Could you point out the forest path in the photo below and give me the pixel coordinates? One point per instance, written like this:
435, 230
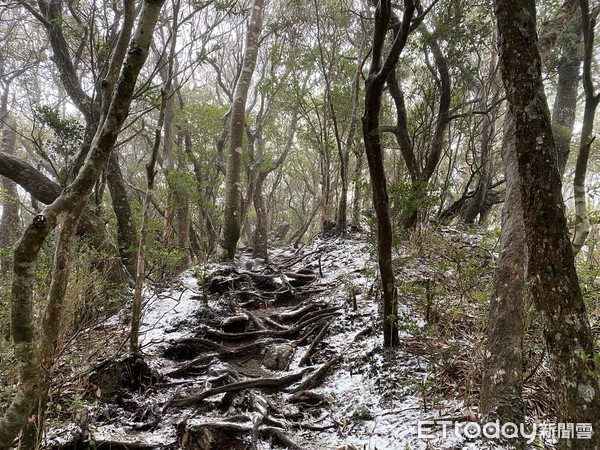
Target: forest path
260, 356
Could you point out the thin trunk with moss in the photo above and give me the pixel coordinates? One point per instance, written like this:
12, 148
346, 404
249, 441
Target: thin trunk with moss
230, 233
582, 221
9, 224
565, 103
32, 375
378, 74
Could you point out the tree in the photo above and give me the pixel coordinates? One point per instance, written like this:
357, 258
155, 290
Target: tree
9, 224
582, 222
421, 163
565, 103
501, 395
551, 269
330, 61
68, 207
230, 233
92, 107
260, 237
379, 72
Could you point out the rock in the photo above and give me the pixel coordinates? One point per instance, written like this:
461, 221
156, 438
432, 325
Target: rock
277, 356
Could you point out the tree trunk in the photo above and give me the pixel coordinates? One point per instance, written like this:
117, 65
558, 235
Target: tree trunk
325, 165
357, 197
32, 433
401, 129
169, 168
140, 275
443, 116
127, 238
374, 85
184, 222
509, 282
230, 233
565, 104
33, 382
9, 224
554, 283
582, 221
502, 385
260, 237
420, 177
349, 143
262, 221
475, 206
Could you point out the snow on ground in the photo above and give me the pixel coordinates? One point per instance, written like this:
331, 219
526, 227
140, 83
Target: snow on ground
374, 397
165, 313
374, 391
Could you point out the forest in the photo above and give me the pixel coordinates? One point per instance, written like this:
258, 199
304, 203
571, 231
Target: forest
299, 224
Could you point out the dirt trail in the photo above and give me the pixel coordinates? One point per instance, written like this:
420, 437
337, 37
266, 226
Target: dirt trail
278, 355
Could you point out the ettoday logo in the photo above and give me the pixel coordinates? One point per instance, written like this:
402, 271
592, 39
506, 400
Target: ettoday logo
508, 430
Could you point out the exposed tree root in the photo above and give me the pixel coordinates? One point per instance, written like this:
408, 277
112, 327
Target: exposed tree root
263, 337
234, 387
316, 376
313, 346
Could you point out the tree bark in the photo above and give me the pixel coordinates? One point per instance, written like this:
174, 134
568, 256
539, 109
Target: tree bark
565, 104
582, 221
374, 85
33, 382
554, 283
169, 167
127, 237
509, 283
230, 233
9, 224
358, 184
140, 275
261, 231
502, 384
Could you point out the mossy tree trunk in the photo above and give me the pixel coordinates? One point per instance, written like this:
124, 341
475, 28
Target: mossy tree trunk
379, 71
34, 379
9, 224
565, 103
127, 237
502, 384
501, 396
230, 233
582, 221
554, 284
